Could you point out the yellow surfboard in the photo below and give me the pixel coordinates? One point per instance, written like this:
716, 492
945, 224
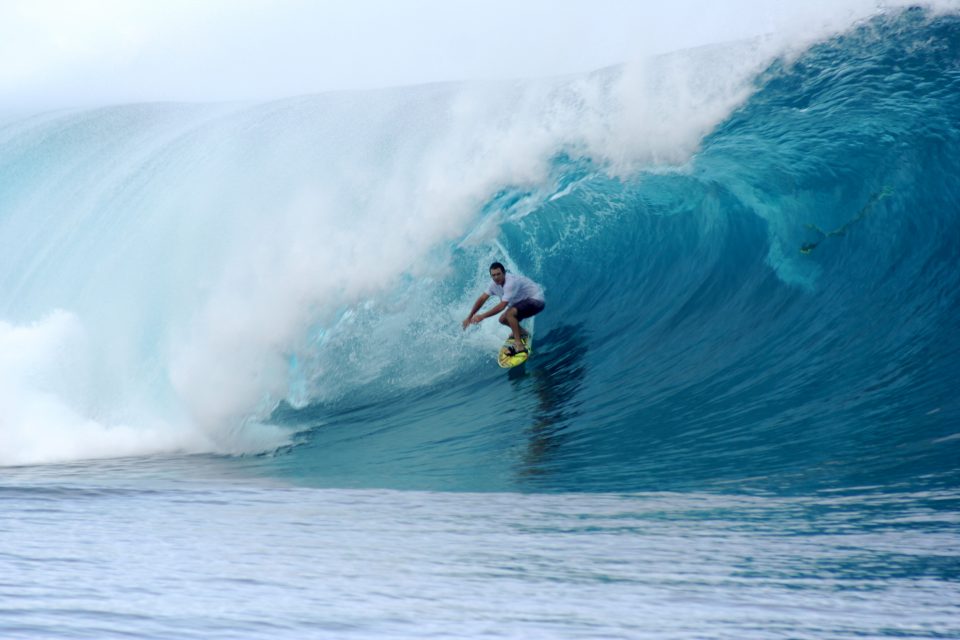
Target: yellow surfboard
507, 359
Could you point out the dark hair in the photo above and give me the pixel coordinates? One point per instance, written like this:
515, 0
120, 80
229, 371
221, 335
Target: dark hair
497, 265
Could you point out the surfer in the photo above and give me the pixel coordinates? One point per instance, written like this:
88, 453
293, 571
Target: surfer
521, 297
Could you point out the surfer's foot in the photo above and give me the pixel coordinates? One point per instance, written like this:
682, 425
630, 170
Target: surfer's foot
514, 351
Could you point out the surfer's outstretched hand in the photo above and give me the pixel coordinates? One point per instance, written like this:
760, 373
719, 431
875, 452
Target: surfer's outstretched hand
471, 320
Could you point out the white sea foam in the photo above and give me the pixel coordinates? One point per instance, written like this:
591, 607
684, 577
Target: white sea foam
49, 409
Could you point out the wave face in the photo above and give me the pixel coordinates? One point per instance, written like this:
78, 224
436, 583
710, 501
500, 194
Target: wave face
750, 284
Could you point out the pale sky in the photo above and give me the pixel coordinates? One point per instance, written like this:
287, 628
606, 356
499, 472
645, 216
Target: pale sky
57, 53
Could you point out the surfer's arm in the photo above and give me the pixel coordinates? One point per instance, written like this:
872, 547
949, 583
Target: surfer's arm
494, 311
476, 307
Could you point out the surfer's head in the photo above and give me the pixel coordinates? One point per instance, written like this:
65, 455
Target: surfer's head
498, 273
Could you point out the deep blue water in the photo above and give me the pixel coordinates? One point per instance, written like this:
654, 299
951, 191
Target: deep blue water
237, 400
689, 342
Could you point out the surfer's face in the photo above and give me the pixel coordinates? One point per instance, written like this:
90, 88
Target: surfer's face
497, 275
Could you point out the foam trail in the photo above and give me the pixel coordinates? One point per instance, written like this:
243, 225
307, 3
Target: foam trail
47, 414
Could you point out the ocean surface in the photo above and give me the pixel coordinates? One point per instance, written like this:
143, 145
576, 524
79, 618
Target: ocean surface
236, 400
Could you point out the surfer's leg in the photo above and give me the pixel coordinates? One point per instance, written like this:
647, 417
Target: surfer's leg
527, 309
509, 318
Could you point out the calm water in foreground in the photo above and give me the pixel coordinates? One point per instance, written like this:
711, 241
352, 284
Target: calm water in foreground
150, 554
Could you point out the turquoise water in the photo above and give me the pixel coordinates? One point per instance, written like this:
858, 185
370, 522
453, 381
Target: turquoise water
238, 401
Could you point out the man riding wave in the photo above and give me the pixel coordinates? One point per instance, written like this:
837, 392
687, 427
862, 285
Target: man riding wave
521, 297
